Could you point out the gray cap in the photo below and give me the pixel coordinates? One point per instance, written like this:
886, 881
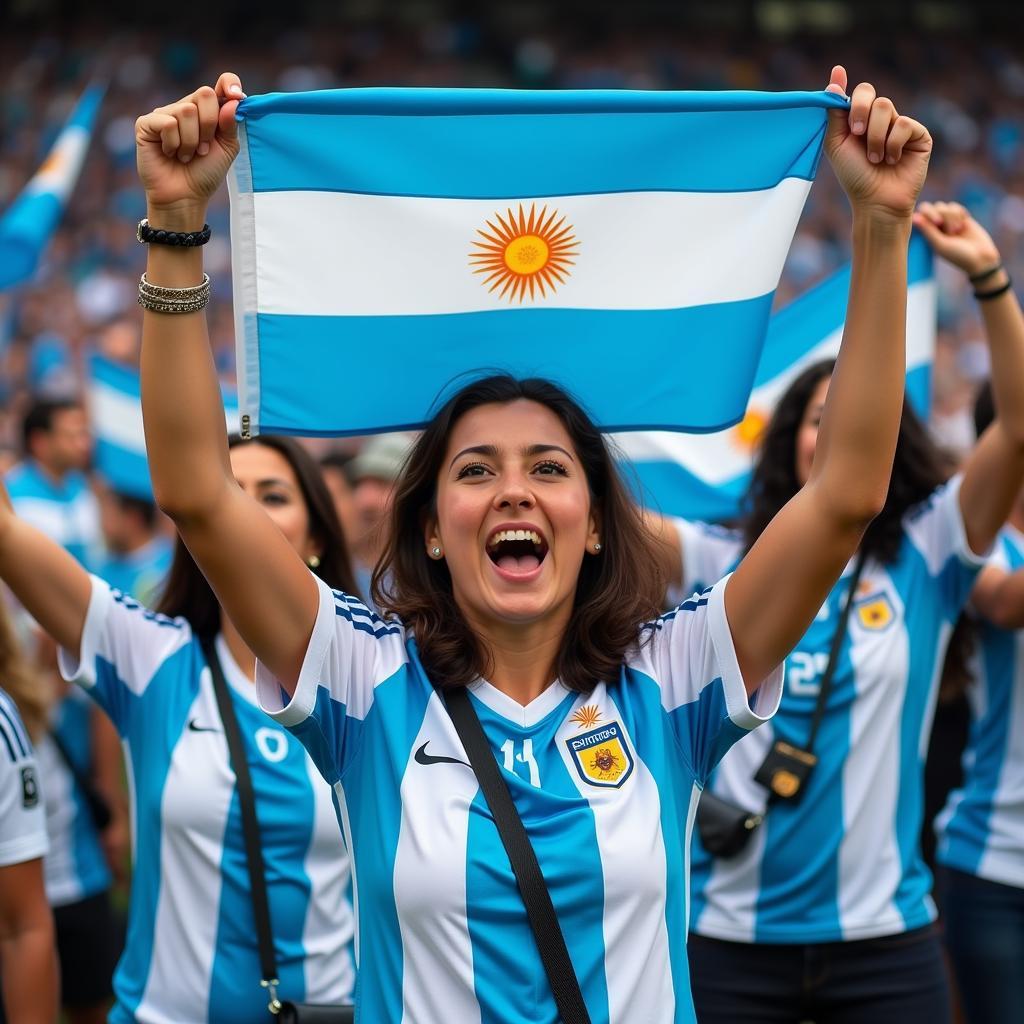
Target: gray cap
381, 458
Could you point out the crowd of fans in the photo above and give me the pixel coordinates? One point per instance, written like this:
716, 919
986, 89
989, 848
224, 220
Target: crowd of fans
83, 297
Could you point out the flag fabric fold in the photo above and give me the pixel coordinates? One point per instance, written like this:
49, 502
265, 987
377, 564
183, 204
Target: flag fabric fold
706, 477
28, 224
115, 410
390, 244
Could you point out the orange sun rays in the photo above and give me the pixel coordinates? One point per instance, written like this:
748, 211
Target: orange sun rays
524, 254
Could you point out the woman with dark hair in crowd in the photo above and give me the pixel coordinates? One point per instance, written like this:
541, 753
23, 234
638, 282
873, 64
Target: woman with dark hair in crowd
981, 831
523, 573
826, 912
192, 947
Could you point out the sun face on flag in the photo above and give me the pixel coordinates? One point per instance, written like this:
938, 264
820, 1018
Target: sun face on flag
525, 253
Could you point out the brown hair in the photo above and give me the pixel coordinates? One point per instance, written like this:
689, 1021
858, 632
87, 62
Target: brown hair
186, 592
25, 685
616, 592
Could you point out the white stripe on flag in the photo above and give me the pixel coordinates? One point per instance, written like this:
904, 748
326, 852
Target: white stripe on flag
59, 170
394, 255
117, 417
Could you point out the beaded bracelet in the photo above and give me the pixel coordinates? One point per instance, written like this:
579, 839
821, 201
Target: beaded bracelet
147, 234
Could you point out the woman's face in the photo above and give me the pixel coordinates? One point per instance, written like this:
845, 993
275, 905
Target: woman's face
807, 433
514, 518
268, 478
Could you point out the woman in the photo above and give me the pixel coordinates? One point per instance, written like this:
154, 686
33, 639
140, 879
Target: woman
191, 952
519, 568
833, 888
981, 831
29, 975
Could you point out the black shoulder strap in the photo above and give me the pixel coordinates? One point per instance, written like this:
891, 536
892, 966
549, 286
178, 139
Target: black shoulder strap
250, 824
539, 908
833, 655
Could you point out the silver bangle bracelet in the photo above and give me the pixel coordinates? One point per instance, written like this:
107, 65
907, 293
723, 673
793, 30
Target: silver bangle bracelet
161, 299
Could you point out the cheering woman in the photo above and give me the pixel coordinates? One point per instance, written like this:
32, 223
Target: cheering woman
192, 949
517, 567
832, 887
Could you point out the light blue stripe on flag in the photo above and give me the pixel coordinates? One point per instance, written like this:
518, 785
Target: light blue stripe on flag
115, 409
625, 244
30, 221
707, 477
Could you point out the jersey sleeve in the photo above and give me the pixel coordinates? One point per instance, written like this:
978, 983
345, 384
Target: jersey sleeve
123, 646
708, 553
350, 651
936, 530
692, 659
22, 817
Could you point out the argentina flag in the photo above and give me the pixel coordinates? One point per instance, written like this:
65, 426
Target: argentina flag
388, 242
115, 412
705, 477
30, 221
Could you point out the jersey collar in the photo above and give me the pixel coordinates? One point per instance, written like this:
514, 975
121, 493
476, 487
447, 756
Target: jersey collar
524, 716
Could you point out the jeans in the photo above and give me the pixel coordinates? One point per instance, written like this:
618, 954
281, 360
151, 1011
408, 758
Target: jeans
896, 979
984, 925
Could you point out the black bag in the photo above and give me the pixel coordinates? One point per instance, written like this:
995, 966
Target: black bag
725, 828
540, 911
292, 1013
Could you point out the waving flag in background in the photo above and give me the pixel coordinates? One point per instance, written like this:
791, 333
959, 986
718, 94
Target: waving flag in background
388, 242
28, 224
706, 477
115, 408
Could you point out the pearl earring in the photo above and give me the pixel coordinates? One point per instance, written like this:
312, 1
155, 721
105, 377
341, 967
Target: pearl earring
597, 547
435, 552
313, 561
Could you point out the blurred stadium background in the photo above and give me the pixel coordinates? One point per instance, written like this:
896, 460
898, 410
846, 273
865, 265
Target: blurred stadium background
959, 67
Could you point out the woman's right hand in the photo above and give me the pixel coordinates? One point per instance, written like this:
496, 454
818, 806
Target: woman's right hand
184, 150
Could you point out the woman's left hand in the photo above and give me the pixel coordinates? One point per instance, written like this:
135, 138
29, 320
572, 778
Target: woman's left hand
880, 156
957, 237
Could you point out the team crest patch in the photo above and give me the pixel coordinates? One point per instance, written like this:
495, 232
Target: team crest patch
602, 756
875, 612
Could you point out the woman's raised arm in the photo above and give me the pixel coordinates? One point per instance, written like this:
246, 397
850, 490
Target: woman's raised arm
994, 470
184, 151
881, 159
51, 584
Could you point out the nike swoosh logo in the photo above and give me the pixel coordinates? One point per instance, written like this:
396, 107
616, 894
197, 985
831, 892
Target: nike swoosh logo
422, 757
192, 727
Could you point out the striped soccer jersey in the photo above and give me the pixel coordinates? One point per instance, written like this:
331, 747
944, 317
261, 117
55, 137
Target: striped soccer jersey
843, 862
22, 819
606, 784
191, 951
76, 867
982, 829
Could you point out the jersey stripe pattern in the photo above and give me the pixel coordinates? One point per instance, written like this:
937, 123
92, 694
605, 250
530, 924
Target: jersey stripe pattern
981, 831
843, 862
22, 818
606, 784
75, 867
191, 952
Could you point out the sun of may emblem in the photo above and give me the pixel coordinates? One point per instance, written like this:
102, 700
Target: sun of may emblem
525, 253
587, 716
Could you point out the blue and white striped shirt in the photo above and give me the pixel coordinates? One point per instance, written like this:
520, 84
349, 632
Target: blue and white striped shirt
606, 784
982, 828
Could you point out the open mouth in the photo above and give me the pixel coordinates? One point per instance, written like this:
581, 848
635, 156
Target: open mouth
517, 551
